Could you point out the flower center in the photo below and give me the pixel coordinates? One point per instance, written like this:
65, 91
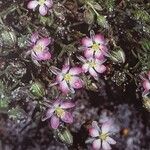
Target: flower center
41, 2
103, 136
95, 47
67, 77
59, 111
38, 48
92, 64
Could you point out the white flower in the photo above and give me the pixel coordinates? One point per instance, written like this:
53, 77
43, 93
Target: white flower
100, 138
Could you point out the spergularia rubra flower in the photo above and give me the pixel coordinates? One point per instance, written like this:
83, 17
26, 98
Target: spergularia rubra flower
68, 78
95, 46
44, 5
93, 65
57, 112
100, 137
39, 50
146, 84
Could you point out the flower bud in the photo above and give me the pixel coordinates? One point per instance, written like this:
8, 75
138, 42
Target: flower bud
64, 135
118, 55
37, 89
8, 38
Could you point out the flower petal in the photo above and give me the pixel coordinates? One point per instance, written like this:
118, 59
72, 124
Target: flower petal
99, 39
76, 82
85, 67
105, 145
110, 140
44, 42
32, 4
87, 42
59, 77
93, 132
67, 117
66, 105
49, 3
49, 113
93, 73
43, 10
75, 71
95, 125
99, 54
54, 122
64, 87
106, 127
34, 37
146, 85
65, 69
88, 53
100, 68
96, 144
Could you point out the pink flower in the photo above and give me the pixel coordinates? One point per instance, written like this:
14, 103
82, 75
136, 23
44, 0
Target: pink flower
44, 5
146, 84
39, 50
58, 111
95, 46
68, 78
100, 138
93, 65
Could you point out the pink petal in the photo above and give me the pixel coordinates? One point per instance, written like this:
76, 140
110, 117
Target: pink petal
110, 140
100, 68
93, 132
67, 105
64, 87
75, 71
87, 42
57, 103
93, 72
106, 146
88, 53
59, 77
96, 144
32, 4
34, 37
49, 3
99, 39
44, 42
99, 54
76, 82
104, 49
65, 69
146, 85
149, 75
67, 117
85, 67
45, 56
54, 122
43, 10
49, 113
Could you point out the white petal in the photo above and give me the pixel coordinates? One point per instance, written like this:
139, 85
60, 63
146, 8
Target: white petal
96, 144
106, 146
110, 140
93, 132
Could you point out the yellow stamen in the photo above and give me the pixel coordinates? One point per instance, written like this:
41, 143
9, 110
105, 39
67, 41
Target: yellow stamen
38, 48
95, 47
92, 64
67, 77
41, 2
59, 112
103, 136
